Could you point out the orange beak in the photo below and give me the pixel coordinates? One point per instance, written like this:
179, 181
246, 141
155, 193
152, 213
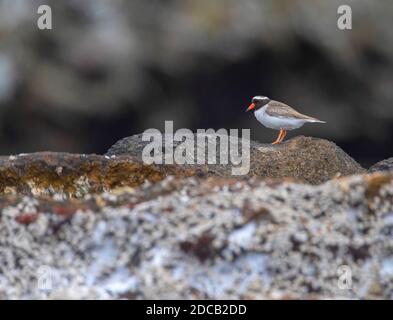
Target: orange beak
251, 106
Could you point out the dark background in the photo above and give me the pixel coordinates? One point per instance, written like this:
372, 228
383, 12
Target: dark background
110, 69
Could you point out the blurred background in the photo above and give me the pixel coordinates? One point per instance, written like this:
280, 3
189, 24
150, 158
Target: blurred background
112, 68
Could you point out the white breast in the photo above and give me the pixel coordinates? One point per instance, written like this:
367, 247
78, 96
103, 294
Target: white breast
277, 123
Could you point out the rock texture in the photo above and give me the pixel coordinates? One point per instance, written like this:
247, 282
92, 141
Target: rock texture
198, 238
78, 174
384, 165
302, 158
90, 226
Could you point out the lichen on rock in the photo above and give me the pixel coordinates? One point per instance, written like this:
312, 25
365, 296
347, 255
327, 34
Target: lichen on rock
305, 159
384, 165
97, 227
77, 174
202, 238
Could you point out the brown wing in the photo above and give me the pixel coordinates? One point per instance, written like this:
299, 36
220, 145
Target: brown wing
282, 110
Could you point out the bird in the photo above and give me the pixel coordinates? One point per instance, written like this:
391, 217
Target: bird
278, 116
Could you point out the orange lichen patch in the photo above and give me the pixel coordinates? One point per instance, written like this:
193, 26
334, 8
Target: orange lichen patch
119, 174
220, 182
375, 182
100, 201
27, 218
78, 174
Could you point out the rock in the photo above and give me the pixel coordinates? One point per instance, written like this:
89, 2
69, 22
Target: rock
384, 165
201, 238
79, 174
302, 158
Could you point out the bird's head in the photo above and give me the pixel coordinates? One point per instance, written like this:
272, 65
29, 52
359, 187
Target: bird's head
258, 102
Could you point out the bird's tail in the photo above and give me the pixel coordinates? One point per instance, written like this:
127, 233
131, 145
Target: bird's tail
313, 120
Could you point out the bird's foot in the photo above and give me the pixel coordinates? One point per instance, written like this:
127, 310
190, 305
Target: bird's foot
280, 137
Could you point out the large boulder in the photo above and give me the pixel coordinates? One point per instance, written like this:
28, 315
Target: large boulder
212, 238
384, 165
305, 159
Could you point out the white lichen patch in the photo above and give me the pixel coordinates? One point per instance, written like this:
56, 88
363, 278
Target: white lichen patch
227, 242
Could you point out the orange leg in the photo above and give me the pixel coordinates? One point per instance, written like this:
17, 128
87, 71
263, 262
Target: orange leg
279, 137
284, 134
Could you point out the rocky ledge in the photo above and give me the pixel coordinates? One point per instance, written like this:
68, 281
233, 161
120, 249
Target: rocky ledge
384, 165
78, 226
304, 159
74, 175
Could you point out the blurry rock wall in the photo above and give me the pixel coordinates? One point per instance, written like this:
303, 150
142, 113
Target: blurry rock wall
110, 69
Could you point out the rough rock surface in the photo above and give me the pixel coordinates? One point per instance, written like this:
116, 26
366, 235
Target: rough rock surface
384, 165
302, 158
78, 174
202, 238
